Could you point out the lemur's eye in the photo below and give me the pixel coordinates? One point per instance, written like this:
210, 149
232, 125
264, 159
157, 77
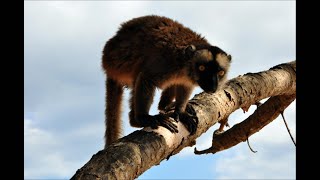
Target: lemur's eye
221, 73
201, 68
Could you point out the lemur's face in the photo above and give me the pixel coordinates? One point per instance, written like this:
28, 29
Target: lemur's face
210, 68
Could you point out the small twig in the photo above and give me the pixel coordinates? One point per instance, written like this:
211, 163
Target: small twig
250, 146
288, 129
258, 104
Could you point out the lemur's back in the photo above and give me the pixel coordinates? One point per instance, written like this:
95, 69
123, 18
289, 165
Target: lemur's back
149, 36
159, 32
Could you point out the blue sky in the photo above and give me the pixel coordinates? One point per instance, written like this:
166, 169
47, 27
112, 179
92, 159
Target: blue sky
64, 84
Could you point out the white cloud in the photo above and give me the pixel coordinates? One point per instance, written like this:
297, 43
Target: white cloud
41, 159
33, 135
270, 162
48, 155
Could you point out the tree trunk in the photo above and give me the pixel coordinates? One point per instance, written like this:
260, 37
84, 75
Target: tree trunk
135, 153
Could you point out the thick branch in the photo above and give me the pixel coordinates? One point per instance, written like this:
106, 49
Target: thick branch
130, 156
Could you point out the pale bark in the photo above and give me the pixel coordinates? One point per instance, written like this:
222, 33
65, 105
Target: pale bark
133, 154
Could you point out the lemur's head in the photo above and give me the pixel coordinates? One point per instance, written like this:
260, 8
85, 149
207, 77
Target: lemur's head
209, 66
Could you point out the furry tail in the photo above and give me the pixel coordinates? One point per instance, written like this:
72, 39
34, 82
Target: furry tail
114, 93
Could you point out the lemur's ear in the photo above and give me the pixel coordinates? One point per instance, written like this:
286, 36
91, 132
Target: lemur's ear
189, 50
229, 57
217, 50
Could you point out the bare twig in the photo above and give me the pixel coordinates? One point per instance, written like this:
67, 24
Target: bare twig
288, 129
250, 146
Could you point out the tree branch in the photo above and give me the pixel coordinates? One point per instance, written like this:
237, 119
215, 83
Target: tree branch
132, 155
240, 132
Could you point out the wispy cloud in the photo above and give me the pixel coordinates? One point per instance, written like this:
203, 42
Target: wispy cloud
52, 155
41, 158
278, 162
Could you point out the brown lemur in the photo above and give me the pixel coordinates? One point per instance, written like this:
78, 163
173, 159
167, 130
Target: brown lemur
152, 52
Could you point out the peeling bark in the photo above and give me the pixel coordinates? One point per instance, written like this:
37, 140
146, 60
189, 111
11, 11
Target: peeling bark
133, 154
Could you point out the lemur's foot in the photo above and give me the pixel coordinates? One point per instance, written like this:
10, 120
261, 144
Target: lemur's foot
188, 120
158, 120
